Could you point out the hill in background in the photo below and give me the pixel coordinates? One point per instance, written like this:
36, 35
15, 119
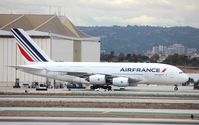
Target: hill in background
139, 39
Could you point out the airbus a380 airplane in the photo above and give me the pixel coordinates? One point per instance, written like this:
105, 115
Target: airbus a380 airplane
99, 74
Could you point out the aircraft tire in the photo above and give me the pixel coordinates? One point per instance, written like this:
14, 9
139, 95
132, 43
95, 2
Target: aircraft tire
109, 88
176, 87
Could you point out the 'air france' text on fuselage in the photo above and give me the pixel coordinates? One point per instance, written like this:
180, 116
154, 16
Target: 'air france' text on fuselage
140, 70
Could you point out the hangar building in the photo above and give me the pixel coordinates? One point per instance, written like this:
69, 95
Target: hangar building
56, 35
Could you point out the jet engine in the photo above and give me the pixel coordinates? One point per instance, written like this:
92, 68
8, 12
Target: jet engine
97, 79
120, 82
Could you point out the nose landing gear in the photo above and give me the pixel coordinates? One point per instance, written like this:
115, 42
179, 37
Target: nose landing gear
176, 87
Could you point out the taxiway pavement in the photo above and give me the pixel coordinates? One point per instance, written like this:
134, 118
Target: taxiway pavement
91, 121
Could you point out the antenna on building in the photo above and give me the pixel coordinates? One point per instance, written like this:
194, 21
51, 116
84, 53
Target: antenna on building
59, 11
11, 11
49, 11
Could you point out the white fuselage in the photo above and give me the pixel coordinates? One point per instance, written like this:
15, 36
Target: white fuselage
117, 74
145, 73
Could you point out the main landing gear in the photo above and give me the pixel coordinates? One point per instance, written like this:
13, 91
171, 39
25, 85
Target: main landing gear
93, 87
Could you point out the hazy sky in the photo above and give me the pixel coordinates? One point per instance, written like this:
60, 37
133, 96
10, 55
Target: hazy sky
112, 12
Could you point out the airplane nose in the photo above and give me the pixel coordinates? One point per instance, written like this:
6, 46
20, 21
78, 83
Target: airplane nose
185, 78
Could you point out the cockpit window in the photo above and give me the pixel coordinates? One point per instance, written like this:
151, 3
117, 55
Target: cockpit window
180, 72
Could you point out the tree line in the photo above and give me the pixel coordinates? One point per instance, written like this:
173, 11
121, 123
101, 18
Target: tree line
179, 60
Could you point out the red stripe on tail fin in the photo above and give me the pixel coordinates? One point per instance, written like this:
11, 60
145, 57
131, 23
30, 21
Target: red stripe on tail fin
25, 54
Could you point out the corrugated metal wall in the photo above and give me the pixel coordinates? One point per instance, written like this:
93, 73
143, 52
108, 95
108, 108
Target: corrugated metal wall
10, 56
62, 50
77, 51
90, 51
57, 49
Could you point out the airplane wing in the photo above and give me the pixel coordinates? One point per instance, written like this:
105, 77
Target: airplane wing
82, 74
25, 68
79, 73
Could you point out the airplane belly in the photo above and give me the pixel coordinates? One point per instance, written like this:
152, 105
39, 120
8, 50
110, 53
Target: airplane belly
58, 76
155, 79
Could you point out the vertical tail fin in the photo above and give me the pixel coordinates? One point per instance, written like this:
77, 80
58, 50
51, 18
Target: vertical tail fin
28, 48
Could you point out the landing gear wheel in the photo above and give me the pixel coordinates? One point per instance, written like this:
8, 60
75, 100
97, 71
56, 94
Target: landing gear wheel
176, 87
93, 87
109, 88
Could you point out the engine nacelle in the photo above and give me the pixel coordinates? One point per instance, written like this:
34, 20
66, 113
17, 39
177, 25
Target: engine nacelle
97, 79
120, 82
